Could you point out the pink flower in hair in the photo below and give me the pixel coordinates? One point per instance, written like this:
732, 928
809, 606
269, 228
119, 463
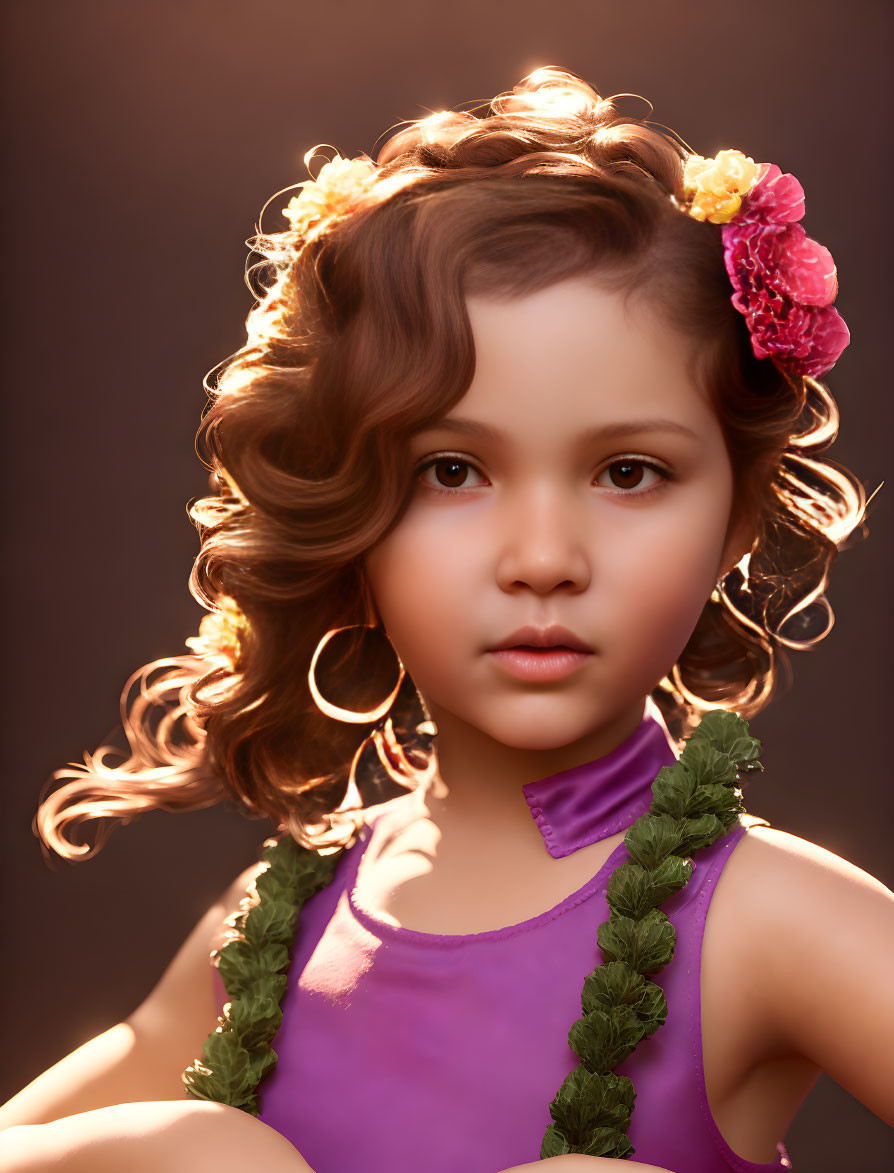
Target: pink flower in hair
807, 339
784, 282
775, 197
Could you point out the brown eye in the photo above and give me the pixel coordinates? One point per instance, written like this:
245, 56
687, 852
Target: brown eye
630, 474
450, 472
626, 474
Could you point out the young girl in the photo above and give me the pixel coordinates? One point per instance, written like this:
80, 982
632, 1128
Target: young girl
517, 507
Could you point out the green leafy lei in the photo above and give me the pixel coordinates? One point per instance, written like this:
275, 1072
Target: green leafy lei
252, 965
695, 802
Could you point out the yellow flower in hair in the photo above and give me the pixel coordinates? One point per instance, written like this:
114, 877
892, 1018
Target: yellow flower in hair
219, 632
340, 185
715, 187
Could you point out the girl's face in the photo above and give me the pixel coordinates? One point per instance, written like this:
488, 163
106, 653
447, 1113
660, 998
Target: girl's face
593, 491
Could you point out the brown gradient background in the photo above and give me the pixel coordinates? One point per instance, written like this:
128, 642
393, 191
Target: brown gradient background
141, 140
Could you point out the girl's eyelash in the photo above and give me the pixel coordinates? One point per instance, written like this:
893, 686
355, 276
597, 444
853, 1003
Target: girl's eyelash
629, 458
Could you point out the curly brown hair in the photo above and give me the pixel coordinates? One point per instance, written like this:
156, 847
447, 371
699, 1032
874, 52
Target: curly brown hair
360, 337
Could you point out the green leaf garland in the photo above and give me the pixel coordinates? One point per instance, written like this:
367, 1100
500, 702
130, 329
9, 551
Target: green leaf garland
694, 802
238, 1054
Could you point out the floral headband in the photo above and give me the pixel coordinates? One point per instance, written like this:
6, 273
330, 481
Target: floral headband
783, 282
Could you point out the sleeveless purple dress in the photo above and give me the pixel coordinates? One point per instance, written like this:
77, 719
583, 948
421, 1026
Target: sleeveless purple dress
401, 1050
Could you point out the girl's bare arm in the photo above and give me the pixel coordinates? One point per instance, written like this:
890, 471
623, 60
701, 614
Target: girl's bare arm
170, 1137
143, 1057
824, 952
158, 1137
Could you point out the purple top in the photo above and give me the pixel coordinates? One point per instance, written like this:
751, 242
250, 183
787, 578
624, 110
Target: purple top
400, 1049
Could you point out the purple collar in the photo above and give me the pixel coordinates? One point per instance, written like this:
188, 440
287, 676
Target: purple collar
579, 806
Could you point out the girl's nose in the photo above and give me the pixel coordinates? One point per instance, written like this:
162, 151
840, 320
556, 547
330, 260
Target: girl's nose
541, 543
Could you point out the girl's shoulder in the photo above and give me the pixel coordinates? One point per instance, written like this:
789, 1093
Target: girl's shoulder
233, 900
180, 1011
777, 887
812, 936
773, 874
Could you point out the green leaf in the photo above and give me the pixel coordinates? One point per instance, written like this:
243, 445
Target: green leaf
270, 886
298, 869
647, 945
671, 875
282, 858
603, 1039
588, 1100
708, 764
575, 1108
271, 921
240, 964
701, 832
650, 1007
255, 1018
713, 799
261, 1060
607, 1142
623, 1090
672, 789
306, 870
729, 734
554, 1143
613, 984
228, 1059
271, 985
633, 890
629, 891
729, 819
234, 966
652, 837
616, 984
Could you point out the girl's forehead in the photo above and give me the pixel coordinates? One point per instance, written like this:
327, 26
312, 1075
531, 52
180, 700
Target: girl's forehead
573, 323
581, 358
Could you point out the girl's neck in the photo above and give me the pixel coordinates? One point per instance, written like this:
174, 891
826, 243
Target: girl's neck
479, 780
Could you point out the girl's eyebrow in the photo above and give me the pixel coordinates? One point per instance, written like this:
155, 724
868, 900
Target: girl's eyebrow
600, 431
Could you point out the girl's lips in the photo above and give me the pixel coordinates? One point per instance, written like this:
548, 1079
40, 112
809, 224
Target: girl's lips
539, 663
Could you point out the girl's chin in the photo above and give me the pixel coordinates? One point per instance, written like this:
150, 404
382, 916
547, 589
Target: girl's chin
527, 718
532, 732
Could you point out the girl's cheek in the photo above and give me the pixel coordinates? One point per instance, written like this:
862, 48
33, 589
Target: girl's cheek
427, 557
668, 577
